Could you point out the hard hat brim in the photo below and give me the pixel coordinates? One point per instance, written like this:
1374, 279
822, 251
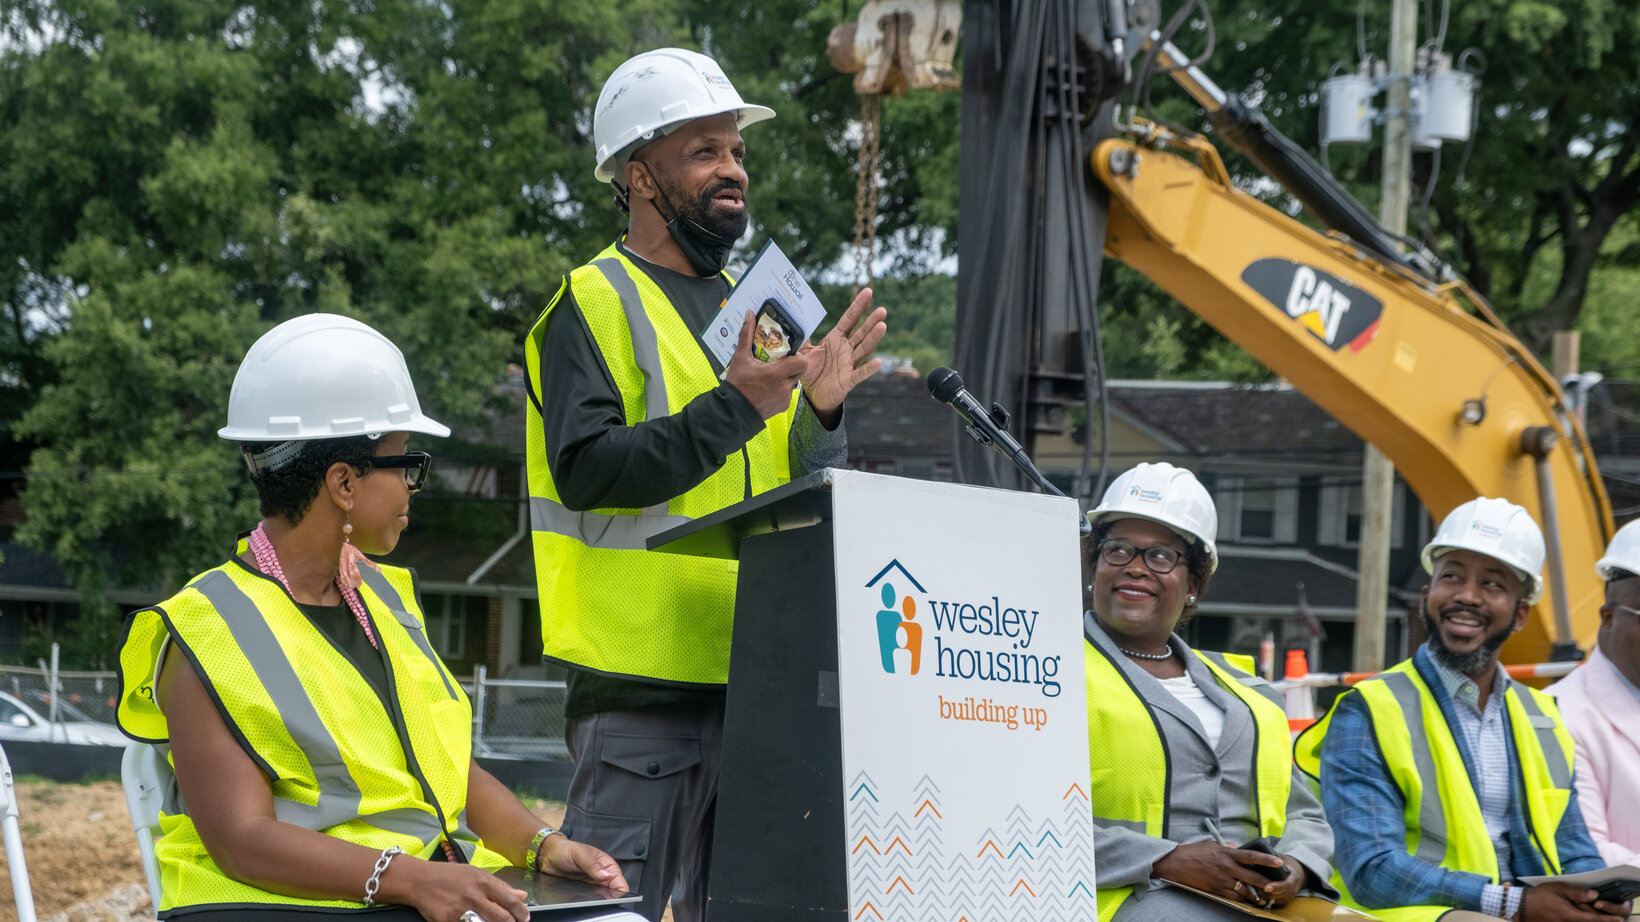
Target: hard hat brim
1532, 583
420, 424
746, 115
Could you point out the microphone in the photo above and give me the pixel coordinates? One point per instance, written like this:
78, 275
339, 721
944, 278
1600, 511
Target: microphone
946, 386
987, 428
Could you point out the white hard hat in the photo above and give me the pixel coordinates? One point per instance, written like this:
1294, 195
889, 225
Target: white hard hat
1166, 494
657, 91
1623, 553
1500, 530
323, 376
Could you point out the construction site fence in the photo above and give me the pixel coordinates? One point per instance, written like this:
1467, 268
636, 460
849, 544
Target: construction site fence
1334, 679
512, 718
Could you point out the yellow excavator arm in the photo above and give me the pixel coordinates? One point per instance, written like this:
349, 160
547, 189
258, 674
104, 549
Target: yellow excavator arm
1459, 405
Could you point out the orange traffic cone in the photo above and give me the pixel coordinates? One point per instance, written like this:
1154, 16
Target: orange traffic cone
1300, 700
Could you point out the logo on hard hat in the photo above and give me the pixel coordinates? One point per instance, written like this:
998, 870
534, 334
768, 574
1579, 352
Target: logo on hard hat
717, 80
1486, 530
1145, 496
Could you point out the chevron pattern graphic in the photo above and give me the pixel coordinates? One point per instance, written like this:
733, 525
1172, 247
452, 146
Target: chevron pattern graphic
903, 867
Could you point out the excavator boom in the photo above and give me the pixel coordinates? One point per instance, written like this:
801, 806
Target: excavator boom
1454, 400
1410, 360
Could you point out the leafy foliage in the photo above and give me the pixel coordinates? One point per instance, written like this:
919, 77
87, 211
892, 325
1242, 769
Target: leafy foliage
1526, 211
177, 177
176, 182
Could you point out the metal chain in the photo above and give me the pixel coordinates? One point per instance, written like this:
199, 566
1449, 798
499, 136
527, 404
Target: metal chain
865, 190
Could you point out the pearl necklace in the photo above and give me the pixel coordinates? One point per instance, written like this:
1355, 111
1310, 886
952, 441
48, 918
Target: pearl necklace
1153, 657
268, 562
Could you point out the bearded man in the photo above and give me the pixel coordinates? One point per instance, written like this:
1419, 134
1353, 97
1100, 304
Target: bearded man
634, 428
1447, 780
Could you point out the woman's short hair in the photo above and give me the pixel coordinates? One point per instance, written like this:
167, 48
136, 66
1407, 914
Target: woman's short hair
288, 492
1196, 562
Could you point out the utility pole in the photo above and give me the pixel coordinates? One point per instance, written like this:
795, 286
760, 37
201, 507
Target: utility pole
1377, 473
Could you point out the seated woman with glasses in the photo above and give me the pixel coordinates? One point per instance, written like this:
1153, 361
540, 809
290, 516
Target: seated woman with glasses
1190, 753
322, 751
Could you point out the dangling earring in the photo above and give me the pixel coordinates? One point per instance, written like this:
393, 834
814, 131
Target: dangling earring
347, 571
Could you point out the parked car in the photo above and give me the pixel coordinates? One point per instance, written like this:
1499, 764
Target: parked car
25, 720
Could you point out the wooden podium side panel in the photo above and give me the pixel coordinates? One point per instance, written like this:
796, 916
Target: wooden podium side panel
778, 850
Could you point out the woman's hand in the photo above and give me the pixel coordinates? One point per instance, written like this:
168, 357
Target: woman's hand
1222, 871
583, 862
1281, 892
441, 891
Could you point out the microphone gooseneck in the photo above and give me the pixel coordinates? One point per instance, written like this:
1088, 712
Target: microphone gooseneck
945, 385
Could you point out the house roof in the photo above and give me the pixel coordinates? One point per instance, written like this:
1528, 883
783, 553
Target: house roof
895, 415
1267, 422
1254, 576
27, 573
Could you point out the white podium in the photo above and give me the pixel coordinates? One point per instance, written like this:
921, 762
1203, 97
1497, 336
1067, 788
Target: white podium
906, 729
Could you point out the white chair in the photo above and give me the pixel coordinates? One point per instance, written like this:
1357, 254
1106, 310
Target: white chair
145, 773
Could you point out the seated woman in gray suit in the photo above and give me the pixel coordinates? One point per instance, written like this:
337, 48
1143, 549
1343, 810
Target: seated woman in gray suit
1190, 752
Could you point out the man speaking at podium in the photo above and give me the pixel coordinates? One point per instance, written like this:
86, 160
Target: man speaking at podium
633, 429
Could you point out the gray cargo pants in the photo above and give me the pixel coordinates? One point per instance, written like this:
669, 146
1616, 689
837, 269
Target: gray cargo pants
645, 791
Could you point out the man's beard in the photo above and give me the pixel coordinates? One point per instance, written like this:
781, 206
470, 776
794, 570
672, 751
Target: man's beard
702, 210
732, 224
1474, 660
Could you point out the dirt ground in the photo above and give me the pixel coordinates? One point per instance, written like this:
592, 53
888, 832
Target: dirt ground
81, 853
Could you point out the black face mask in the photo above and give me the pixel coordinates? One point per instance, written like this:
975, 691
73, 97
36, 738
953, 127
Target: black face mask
705, 249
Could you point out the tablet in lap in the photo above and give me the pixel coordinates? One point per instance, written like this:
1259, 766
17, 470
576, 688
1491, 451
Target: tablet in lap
550, 892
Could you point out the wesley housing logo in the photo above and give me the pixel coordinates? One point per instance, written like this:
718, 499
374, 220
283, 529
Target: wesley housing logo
986, 640
899, 636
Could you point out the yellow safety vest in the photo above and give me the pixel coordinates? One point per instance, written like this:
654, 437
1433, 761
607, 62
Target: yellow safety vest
1444, 824
1131, 772
337, 762
607, 603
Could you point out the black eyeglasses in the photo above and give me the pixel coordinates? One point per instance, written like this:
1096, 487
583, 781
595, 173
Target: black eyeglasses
1158, 558
415, 464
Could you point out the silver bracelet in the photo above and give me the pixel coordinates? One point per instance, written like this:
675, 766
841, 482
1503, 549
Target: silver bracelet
375, 881
532, 855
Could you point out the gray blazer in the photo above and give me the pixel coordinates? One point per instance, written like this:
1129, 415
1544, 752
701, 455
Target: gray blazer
1210, 786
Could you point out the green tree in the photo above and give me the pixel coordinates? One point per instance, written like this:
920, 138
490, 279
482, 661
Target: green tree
1526, 211
1537, 211
177, 179
802, 163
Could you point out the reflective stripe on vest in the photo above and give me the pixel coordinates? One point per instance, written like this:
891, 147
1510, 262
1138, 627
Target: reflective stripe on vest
608, 604
337, 760
339, 798
1442, 812
1132, 792
646, 350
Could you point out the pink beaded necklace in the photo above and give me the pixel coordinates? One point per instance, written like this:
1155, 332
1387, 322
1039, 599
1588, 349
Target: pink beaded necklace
268, 562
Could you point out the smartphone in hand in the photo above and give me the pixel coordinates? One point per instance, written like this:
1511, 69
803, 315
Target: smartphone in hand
1267, 845
1619, 891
